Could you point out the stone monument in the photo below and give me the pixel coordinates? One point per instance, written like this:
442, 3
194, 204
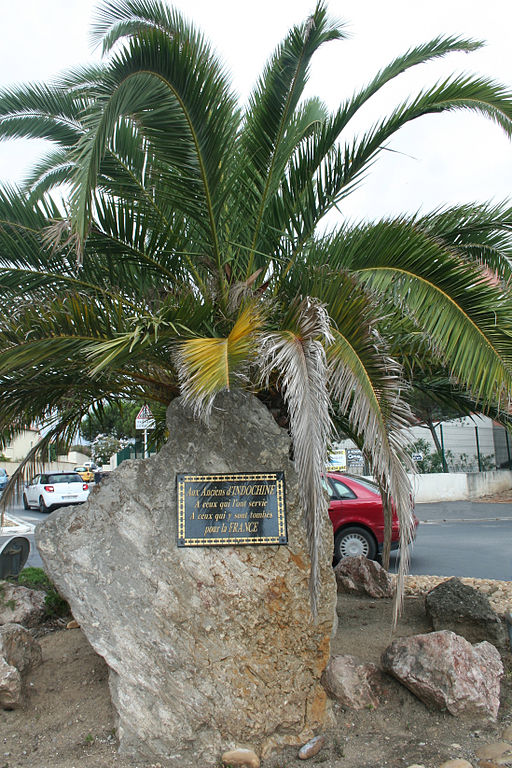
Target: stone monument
209, 648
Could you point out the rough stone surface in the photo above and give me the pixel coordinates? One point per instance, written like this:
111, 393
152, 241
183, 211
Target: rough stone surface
456, 763
19, 648
20, 605
445, 671
11, 689
246, 758
19, 651
207, 647
362, 576
312, 747
354, 684
460, 608
495, 751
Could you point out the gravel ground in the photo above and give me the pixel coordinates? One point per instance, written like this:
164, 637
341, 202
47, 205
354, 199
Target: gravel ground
499, 593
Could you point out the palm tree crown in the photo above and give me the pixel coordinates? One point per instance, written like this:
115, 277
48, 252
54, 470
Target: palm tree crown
171, 243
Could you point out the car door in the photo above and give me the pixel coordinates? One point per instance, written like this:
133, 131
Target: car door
31, 490
356, 505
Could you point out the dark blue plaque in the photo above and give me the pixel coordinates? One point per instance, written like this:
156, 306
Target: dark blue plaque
231, 509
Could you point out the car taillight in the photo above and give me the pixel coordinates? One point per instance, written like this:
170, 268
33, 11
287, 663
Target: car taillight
85, 486
49, 488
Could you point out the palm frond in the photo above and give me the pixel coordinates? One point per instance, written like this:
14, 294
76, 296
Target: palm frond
206, 366
296, 356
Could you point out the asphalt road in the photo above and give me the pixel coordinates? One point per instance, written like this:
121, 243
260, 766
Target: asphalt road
461, 538
458, 538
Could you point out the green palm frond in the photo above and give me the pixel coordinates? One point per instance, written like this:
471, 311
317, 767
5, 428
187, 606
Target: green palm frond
465, 316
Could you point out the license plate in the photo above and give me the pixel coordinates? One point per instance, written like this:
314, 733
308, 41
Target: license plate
70, 497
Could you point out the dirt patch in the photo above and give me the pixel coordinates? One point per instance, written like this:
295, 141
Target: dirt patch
502, 497
67, 721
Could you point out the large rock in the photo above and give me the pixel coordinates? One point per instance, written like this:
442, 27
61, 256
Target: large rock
359, 575
458, 607
209, 648
354, 684
446, 672
19, 605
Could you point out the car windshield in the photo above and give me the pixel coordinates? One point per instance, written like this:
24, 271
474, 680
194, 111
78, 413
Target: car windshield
72, 477
3, 473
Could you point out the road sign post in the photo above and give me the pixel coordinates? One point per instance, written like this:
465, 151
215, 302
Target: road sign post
145, 421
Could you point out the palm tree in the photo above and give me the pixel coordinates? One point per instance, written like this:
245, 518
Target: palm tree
172, 243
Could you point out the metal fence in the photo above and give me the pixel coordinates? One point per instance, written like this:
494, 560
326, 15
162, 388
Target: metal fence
459, 445
462, 445
132, 451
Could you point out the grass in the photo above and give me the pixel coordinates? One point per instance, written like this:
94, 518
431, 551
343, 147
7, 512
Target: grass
36, 578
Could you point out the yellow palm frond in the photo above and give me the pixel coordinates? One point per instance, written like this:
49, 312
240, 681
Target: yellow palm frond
208, 365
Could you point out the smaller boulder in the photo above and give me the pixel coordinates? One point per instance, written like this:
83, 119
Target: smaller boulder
362, 576
445, 671
312, 747
245, 758
10, 686
19, 648
19, 651
353, 684
20, 605
458, 607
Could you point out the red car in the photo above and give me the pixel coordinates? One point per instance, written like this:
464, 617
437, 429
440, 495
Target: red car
355, 509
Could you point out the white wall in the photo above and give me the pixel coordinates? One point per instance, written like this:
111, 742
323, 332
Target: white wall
459, 486
21, 444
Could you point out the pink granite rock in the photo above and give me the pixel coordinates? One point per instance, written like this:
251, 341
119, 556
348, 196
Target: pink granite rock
445, 671
354, 684
362, 576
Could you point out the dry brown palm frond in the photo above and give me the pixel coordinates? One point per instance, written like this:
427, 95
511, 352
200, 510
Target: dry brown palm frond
240, 292
379, 416
297, 356
59, 234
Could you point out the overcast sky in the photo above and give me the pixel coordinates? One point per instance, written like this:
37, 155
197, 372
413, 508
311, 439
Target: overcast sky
443, 159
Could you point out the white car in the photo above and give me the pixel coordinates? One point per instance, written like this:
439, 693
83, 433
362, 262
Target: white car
55, 489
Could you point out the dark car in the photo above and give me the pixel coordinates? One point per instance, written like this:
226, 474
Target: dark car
4, 479
355, 509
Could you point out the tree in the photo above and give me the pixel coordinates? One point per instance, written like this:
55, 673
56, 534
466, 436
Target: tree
105, 446
116, 419
202, 263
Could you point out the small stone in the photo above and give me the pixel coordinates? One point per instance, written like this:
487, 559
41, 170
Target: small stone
312, 747
457, 763
416, 765
495, 750
242, 757
73, 624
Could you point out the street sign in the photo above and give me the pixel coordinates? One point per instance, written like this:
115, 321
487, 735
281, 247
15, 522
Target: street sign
337, 461
144, 419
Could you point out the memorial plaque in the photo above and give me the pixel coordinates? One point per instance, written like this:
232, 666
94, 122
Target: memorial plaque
221, 510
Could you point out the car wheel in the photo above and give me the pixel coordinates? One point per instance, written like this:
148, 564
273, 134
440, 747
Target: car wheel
26, 505
352, 542
42, 506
